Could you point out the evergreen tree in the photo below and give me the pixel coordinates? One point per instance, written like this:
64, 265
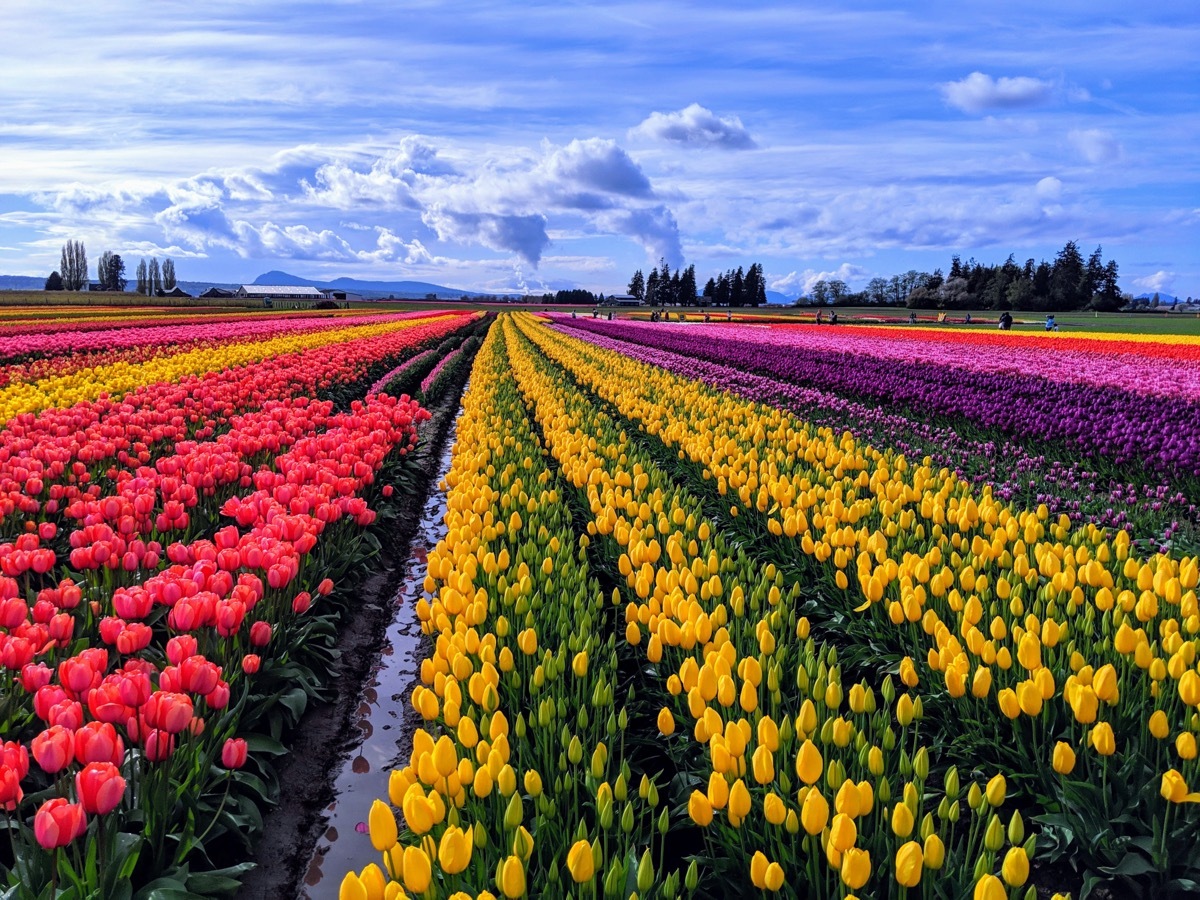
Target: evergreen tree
737, 288
687, 286
665, 296
652, 292
637, 285
1067, 279
54, 282
710, 290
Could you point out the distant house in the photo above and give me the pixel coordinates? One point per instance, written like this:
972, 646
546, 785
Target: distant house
216, 293
176, 291
624, 300
343, 296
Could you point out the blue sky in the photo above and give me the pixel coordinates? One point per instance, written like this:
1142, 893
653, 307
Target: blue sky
541, 145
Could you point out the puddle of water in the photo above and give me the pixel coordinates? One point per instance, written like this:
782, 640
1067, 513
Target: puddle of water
379, 741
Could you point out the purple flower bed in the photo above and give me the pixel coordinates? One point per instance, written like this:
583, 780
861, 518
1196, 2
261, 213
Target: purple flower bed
1014, 473
417, 363
1121, 426
429, 380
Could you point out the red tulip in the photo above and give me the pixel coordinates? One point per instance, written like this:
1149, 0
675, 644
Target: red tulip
159, 745
100, 787
99, 742
168, 711
302, 603
54, 748
218, 697
180, 648
251, 663
260, 634
11, 793
58, 822
233, 754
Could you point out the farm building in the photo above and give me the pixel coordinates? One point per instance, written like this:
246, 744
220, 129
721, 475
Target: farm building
216, 293
282, 296
624, 300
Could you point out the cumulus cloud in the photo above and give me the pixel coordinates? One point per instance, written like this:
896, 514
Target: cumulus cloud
801, 283
524, 235
596, 165
393, 249
978, 92
197, 226
696, 126
1049, 188
654, 228
1160, 282
290, 242
1095, 145
387, 182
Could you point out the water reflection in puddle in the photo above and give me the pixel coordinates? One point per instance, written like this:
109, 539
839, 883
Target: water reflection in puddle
379, 740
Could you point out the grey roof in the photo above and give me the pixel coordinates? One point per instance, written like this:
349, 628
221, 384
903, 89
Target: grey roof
282, 290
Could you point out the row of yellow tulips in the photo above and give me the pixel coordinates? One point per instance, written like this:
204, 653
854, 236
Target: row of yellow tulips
801, 783
517, 785
1085, 648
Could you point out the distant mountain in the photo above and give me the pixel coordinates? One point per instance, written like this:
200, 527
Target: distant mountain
405, 289
22, 282
1162, 298
778, 298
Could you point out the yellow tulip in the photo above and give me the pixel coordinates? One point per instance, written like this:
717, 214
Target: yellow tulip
909, 863
666, 722
1064, 758
934, 851
382, 826
1015, 868
902, 820
1158, 725
758, 869
739, 802
580, 862
700, 809
763, 764
996, 790
417, 870
856, 868
1103, 740
989, 887
809, 764
454, 851
512, 878
445, 758
773, 878
815, 812
352, 888
1185, 745
843, 832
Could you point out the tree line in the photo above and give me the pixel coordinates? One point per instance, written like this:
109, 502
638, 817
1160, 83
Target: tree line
72, 272
662, 287
1068, 282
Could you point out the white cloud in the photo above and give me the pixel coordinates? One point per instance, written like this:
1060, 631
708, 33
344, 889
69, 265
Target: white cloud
524, 235
696, 126
290, 242
1096, 145
1160, 281
1049, 188
802, 282
978, 92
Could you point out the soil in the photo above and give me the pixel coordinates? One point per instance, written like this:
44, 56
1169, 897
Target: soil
329, 732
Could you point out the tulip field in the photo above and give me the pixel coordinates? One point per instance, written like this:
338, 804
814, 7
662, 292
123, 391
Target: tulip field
722, 610
739, 611
185, 505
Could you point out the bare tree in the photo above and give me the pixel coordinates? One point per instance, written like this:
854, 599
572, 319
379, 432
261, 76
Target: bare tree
154, 277
168, 274
73, 266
